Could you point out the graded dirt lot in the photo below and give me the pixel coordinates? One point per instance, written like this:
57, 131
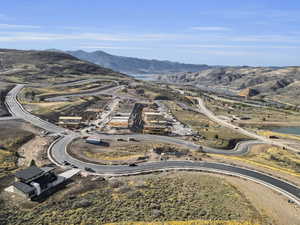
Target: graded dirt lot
168, 196
13, 135
119, 152
4, 88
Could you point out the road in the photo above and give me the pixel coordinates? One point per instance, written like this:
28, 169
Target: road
213, 117
17, 110
57, 153
105, 90
8, 118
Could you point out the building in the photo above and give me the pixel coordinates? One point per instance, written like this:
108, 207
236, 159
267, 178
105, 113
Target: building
154, 121
119, 121
33, 181
70, 121
155, 129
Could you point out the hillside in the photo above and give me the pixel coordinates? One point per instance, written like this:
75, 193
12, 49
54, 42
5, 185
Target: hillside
39, 66
134, 66
280, 84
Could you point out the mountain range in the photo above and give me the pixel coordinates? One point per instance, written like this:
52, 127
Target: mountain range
136, 66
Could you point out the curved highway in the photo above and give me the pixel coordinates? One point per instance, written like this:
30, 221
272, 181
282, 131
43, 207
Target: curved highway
57, 153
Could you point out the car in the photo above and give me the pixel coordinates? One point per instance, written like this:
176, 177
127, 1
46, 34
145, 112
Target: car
132, 164
66, 163
89, 169
120, 139
74, 166
132, 139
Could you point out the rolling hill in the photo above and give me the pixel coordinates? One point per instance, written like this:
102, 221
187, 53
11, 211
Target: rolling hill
40, 66
280, 84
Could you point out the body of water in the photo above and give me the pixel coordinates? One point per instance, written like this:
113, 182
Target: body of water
287, 130
145, 76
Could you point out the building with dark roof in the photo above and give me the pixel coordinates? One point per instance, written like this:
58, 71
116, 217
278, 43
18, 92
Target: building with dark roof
33, 181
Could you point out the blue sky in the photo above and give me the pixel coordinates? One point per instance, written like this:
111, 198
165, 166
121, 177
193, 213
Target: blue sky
215, 32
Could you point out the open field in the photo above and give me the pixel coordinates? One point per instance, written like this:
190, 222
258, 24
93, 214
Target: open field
158, 197
253, 116
191, 222
273, 157
119, 152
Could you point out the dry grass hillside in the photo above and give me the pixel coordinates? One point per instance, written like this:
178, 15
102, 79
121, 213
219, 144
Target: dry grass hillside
280, 84
40, 66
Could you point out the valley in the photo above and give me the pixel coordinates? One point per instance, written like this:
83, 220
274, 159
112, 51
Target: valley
174, 137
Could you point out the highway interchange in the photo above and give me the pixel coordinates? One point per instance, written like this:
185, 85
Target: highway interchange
58, 154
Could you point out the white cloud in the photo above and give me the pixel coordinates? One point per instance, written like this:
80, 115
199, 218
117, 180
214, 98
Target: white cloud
29, 36
210, 28
112, 47
239, 46
17, 26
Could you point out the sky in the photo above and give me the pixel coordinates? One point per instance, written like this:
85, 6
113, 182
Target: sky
213, 32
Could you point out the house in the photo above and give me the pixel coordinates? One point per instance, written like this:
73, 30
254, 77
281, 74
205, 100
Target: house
70, 121
33, 181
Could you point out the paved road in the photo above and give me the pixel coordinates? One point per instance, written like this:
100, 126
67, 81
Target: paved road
8, 118
16, 110
58, 154
105, 90
240, 149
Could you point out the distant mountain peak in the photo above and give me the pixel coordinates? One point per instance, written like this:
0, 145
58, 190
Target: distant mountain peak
131, 65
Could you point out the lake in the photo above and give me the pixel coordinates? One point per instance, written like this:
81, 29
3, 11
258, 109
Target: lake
287, 130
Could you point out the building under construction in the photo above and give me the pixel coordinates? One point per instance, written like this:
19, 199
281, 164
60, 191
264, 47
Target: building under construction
154, 122
70, 121
120, 121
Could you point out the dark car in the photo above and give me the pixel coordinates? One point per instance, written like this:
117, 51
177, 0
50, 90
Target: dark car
73, 166
132, 164
66, 163
89, 169
121, 139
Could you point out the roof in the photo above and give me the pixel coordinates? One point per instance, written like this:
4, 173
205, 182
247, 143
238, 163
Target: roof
47, 169
70, 118
25, 188
29, 173
69, 173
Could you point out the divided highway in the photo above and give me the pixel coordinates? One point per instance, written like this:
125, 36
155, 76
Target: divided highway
57, 153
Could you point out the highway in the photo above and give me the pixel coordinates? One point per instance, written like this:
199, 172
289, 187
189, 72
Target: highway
57, 153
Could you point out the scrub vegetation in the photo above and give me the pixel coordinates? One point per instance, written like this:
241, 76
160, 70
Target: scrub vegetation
158, 197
